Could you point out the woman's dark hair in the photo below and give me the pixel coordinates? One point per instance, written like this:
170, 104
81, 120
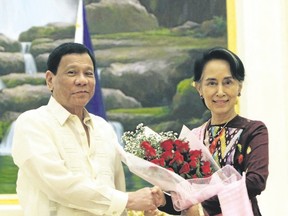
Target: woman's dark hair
236, 65
64, 49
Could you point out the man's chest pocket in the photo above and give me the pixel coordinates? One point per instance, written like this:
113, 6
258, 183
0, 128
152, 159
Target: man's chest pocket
103, 166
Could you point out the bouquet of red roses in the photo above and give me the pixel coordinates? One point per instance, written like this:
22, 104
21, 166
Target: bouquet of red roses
184, 167
168, 151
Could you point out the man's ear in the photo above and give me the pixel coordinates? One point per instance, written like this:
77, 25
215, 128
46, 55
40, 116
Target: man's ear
49, 80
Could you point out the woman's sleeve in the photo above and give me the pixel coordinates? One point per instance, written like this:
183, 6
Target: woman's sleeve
256, 159
168, 208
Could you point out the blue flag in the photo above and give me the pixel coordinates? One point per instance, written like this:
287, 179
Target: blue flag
96, 105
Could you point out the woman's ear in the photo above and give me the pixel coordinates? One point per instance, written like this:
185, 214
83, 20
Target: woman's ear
240, 88
198, 88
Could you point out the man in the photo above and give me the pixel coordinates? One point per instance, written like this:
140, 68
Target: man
67, 157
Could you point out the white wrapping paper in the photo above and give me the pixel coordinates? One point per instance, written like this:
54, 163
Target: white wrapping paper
226, 182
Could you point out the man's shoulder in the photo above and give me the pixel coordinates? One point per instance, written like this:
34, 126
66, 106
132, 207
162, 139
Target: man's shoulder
32, 114
98, 119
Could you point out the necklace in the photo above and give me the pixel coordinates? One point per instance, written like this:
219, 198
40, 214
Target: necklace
216, 138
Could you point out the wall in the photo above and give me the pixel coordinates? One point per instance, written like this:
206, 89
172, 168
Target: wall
262, 33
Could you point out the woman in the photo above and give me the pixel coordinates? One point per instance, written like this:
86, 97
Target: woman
230, 138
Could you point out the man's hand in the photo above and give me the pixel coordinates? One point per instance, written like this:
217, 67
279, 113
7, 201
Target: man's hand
141, 200
159, 198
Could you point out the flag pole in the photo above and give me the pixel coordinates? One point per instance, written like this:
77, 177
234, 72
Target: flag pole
82, 35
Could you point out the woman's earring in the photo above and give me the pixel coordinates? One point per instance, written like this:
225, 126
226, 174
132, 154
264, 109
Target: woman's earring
201, 96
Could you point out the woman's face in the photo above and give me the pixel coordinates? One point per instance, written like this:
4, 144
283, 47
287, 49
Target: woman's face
219, 89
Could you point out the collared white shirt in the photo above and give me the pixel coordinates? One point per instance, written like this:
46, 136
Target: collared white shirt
60, 174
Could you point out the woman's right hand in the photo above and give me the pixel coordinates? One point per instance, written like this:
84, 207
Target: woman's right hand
196, 210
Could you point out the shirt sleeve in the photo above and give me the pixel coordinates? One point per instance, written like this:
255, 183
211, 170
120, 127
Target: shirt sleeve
39, 161
256, 159
168, 207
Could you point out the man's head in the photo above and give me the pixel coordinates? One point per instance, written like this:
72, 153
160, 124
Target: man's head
70, 76
64, 49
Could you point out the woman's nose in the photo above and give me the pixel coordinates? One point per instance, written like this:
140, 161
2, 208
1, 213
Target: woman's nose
220, 91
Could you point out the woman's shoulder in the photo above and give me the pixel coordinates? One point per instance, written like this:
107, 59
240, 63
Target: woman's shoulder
250, 127
242, 122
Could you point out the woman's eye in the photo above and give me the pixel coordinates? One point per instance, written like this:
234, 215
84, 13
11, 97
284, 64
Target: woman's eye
211, 83
228, 82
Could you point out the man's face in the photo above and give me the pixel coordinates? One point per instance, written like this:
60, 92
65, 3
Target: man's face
74, 83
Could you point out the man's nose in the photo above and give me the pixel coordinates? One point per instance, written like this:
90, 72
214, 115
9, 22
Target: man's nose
81, 79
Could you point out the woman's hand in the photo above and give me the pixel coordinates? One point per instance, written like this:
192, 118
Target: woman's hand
152, 213
196, 210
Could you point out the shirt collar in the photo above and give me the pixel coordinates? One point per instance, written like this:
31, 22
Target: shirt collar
62, 114
87, 118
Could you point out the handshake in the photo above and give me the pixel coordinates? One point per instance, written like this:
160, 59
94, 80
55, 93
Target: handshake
146, 199
149, 199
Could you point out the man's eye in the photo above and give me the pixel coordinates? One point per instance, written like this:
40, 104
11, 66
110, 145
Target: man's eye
71, 72
89, 73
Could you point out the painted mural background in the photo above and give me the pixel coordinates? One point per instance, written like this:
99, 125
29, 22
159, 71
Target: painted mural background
145, 52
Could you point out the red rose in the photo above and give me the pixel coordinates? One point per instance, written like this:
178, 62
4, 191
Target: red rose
193, 162
167, 155
195, 153
145, 144
171, 169
181, 146
185, 168
178, 158
150, 152
206, 169
159, 162
194, 176
167, 145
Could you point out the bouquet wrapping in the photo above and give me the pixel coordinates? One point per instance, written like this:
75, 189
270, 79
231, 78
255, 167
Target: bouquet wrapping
226, 182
